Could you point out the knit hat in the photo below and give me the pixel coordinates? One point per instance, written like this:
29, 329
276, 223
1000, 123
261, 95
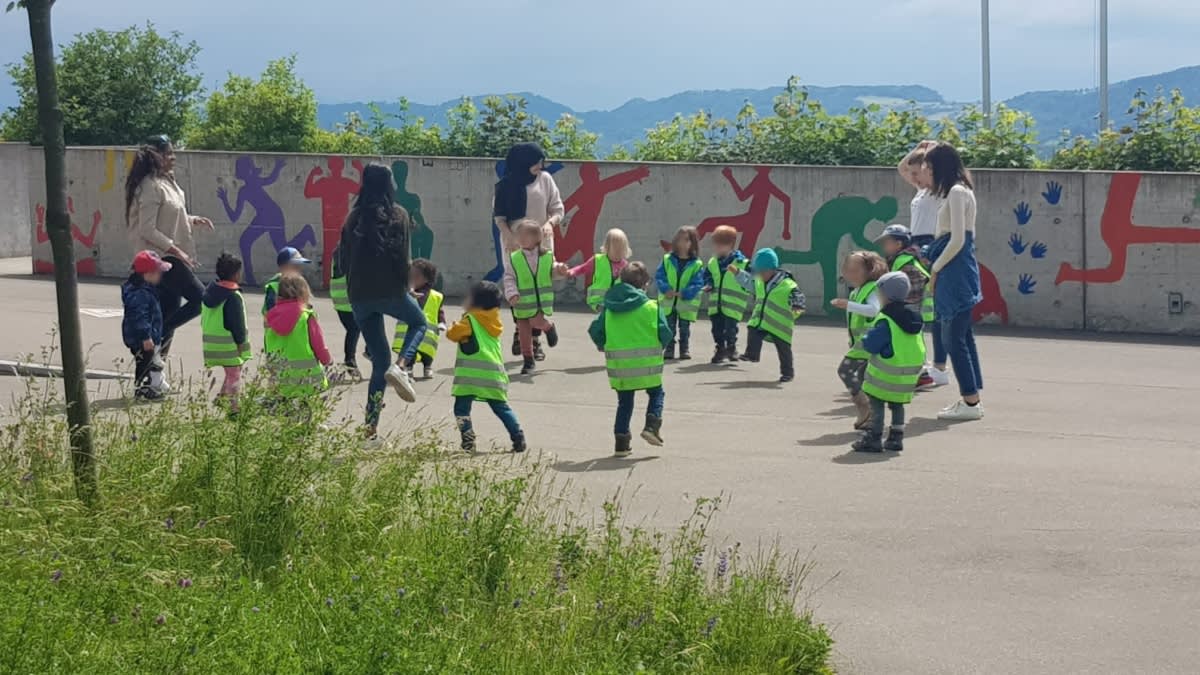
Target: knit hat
765, 259
894, 286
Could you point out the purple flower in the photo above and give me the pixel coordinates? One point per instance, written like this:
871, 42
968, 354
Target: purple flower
698, 561
516, 603
169, 523
722, 564
27, 478
185, 583
712, 623
599, 605
400, 593
56, 576
113, 619
201, 523
329, 602
558, 572
160, 619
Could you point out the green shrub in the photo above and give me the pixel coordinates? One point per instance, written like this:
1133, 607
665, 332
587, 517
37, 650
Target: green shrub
262, 544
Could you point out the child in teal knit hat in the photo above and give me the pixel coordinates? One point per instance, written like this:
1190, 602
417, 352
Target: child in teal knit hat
778, 302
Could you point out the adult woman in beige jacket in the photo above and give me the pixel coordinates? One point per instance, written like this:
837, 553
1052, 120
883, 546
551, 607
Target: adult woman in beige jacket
157, 217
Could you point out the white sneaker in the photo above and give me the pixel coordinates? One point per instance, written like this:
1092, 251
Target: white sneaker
940, 378
401, 381
961, 412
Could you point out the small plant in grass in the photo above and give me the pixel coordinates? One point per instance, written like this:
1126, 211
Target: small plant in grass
265, 543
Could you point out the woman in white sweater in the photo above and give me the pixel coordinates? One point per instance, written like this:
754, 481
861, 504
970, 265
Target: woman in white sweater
156, 213
955, 276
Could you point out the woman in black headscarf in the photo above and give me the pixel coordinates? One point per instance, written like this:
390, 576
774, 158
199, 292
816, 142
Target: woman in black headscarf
526, 190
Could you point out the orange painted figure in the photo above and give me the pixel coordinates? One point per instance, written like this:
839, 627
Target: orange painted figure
579, 234
1119, 232
759, 192
334, 190
83, 266
993, 303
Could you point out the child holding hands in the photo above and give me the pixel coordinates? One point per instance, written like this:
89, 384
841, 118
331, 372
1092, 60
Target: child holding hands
680, 281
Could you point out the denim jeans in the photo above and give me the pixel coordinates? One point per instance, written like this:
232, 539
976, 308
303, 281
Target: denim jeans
625, 407
682, 328
877, 415
724, 331
939, 349
958, 338
462, 415
369, 315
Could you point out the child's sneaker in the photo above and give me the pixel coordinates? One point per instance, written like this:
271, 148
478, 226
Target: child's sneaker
895, 440
669, 353
747, 358
528, 366
518, 442
718, 356
538, 354
925, 381
426, 371
624, 445
401, 381
652, 434
552, 337
961, 412
516, 345
870, 442
468, 441
148, 393
784, 379
684, 353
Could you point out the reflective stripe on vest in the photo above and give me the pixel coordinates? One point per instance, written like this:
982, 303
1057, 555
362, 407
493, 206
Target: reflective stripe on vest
728, 297
857, 324
535, 287
339, 293
927, 296
633, 353
773, 309
271, 286
481, 374
894, 379
602, 280
220, 349
688, 310
429, 344
297, 371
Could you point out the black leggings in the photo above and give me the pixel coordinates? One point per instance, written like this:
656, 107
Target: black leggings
178, 284
352, 332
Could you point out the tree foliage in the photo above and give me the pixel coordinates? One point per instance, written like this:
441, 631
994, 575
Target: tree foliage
115, 88
1165, 136
276, 113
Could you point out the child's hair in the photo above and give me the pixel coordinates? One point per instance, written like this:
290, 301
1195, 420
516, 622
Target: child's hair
426, 268
294, 287
485, 295
725, 235
616, 245
693, 238
917, 158
528, 224
635, 274
228, 266
871, 262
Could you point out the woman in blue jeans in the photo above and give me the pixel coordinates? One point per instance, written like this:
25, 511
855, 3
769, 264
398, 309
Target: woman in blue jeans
955, 277
375, 258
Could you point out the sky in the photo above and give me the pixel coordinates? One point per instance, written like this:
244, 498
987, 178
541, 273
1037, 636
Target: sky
597, 55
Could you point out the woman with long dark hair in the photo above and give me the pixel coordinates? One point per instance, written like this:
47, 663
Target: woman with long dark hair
157, 217
375, 258
955, 276
526, 190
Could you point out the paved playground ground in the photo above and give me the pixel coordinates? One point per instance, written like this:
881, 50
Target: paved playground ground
1061, 534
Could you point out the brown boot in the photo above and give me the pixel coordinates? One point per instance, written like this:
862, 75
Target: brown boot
863, 405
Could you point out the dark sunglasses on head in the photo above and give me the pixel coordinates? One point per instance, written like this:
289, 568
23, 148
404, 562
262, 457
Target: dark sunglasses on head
160, 142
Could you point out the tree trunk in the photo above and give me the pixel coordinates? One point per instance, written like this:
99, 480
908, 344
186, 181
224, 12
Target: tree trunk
58, 227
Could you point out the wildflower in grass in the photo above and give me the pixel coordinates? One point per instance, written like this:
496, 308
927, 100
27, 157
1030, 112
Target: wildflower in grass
637, 621
698, 561
185, 583
55, 576
712, 623
201, 523
254, 609
599, 605
160, 619
137, 612
27, 478
114, 619
400, 593
169, 523
329, 602
722, 564
354, 578
517, 603
445, 610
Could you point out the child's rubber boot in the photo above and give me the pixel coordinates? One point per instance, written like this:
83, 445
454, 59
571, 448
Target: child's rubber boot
518, 442
685, 354
552, 337
528, 366
669, 352
863, 405
870, 442
516, 345
895, 440
652, 434
624, 445
468, 441
719, 355
426, 371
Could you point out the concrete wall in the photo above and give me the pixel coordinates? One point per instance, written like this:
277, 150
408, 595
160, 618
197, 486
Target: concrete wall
1061, 250
14, 200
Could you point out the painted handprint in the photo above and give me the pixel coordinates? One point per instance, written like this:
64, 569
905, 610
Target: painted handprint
1026, 284
1017, 244
1023, 213
1053, 192
1037, 250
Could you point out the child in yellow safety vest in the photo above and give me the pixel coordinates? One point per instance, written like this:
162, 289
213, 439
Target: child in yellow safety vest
225, 336
632, 332
861, 270
295, 344
778, 302
603, 269
902, 256
421, 276
897, 355
290, 261
479, 373
529, 288
680, 280
728, 286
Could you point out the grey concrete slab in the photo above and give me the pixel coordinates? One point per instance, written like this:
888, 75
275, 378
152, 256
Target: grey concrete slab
1059, 534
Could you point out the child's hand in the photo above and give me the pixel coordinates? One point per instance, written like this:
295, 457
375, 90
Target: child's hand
147, 345
708, 289
840, 303
733, 267
441, 328
560, 269
514, 300
672, 294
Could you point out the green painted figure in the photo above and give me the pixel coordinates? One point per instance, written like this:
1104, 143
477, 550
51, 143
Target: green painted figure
835, 219
422, 237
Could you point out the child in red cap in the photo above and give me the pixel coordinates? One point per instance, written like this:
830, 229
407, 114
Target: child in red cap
142, 325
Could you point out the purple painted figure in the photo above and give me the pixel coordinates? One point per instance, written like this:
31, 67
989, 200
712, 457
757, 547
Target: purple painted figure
268, 218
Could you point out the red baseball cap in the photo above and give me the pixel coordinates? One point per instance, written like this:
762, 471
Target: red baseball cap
148, 261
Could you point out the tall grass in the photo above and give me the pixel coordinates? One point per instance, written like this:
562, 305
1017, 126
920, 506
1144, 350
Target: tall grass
265, 544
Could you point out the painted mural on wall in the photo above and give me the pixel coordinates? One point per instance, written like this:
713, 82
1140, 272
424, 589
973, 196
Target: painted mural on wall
85, 263
497, 272
422, 236
576, 237
268, 220
334, 189
759, 192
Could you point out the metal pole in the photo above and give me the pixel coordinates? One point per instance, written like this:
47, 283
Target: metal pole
987, 63
1103, 64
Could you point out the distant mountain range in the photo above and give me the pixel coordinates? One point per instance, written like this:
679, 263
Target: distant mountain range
1055, 111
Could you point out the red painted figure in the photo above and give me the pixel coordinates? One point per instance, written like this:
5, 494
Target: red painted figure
578, 235
993, 301
334, 191
1119, 232
83, 266
750, 224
